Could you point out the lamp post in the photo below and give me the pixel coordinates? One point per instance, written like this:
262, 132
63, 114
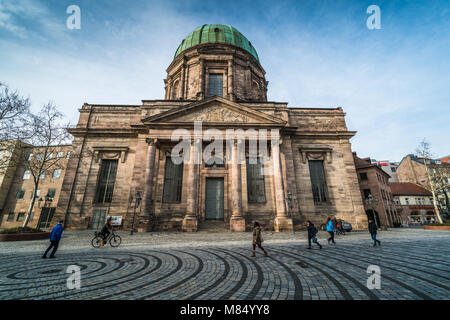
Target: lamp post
289, 199
370, 201
137, 201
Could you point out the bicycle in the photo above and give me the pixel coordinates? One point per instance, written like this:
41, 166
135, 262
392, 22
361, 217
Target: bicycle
113, 239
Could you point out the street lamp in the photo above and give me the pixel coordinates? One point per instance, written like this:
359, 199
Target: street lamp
289, 199
370, 201
136, 204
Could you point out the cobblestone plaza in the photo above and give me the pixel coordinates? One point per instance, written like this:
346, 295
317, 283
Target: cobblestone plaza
414, 264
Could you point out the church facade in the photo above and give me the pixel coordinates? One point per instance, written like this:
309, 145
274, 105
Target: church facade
214, 85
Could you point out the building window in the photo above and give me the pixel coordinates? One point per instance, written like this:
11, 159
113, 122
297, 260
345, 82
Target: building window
318, 183
20, 216
42, 175
20, 194
39, 156
56, 173
175, 90
59, 155
30, 157
256, 190
393, 169
407, 201
49, 156
367, 193
38, 193
173, 182
107, 178
215, 87
10, 216
68, 155
51, 193
363, 175
26, 175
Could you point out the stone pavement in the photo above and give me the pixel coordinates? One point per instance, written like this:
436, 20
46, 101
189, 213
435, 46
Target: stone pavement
414, 263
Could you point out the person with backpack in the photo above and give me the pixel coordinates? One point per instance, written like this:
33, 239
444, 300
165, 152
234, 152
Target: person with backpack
312, 231
55, 237
330, 229
373, 232
257, 239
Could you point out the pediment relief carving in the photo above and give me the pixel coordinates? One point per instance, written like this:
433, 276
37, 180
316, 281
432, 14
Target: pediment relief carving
216, 113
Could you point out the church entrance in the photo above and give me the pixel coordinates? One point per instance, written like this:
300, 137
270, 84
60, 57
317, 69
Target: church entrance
214, 199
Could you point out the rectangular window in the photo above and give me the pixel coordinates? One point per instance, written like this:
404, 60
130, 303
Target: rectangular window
255, 181
107, 178
39, 156
21, 216
30, 157
367, 193
26, 175
407, 200
10, 216
49, 156
363, 175
38, 193
56, 173
68, 154
42, 175
59, 155
215, 87
173, 182
318, 183
51, 193
20, 194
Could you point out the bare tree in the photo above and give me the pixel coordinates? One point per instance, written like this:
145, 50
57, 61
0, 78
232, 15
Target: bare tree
39, 156
14, 114
440, 177
424, 151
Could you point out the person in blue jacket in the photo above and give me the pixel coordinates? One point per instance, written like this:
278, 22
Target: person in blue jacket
330, 229
55, 236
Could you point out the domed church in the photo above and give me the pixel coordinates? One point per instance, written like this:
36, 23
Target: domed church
125, 167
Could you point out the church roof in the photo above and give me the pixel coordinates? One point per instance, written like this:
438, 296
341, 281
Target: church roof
216, 33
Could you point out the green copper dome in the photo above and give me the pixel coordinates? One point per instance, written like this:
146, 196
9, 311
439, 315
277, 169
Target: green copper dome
213, 33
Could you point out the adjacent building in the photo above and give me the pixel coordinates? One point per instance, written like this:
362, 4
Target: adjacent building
17, 185
376, 192
389, 167
415, 202
413, 169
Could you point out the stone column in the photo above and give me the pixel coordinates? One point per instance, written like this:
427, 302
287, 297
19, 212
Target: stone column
282, 221
237, 221
148, 190
190, 221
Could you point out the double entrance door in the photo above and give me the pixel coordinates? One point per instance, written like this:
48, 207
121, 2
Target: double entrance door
214, 199
46, 217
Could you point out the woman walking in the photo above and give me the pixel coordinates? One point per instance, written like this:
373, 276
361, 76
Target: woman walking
257, 239
330, 229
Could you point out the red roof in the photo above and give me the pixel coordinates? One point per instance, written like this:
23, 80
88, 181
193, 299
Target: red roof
408, 189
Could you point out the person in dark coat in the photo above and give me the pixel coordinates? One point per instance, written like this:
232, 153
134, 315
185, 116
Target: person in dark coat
55, 236
373, 232
106, 230
312, 231
257, 239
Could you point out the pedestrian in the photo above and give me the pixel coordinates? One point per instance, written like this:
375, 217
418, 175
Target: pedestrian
257, 239
330, 229
55, 236
312, 231
373, 232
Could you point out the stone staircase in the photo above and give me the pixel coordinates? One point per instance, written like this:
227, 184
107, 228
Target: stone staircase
213, 226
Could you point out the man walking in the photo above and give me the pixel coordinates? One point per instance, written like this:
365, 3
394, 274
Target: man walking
55, 236
312, 231
373, 233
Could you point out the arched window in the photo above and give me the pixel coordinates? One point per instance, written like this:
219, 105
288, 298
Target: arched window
174, 90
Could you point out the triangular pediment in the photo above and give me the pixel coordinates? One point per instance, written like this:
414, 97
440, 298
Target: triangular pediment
214, 111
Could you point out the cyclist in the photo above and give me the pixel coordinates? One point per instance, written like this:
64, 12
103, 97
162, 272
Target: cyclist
106, 230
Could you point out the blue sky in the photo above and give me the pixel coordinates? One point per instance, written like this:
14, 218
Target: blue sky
393, 83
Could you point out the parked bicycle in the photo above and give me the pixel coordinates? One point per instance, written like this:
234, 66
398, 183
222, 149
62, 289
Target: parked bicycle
113, 239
